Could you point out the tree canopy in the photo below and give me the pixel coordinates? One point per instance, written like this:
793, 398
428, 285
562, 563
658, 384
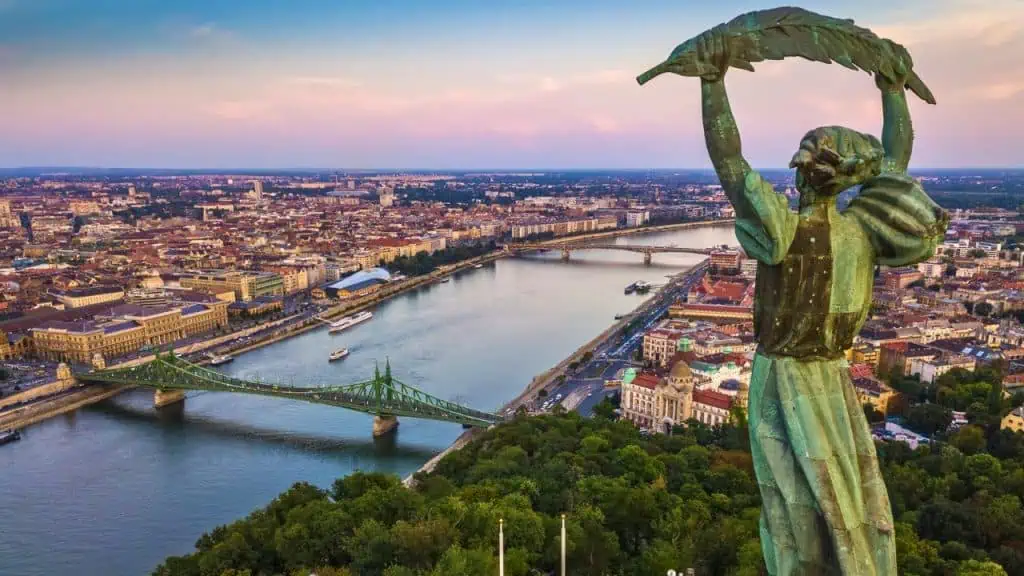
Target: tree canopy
635, 505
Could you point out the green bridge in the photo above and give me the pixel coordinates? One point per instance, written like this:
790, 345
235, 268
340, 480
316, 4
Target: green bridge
384, 396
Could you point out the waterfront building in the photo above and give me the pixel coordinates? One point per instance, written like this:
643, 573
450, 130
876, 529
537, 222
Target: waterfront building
725, 259
711, 312
359, 284
257, 306
661, 343
635, 218
525, 230
126, 329
245, 284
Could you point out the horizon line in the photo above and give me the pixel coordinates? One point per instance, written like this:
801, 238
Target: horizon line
442, 170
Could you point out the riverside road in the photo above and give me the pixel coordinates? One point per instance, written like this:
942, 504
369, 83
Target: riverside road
612, 357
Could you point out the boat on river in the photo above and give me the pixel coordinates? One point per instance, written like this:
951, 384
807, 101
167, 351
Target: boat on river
338, 355
216, 360
349, 321
7, 436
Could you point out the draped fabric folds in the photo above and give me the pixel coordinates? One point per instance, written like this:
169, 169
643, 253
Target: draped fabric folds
825, 507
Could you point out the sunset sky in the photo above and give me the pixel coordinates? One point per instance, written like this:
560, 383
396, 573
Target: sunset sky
466, 83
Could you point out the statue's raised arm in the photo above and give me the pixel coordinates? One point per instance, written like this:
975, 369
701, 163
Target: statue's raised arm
897, 129
764, 222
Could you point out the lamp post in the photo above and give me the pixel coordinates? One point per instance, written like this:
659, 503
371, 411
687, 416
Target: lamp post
563, 544
501, 547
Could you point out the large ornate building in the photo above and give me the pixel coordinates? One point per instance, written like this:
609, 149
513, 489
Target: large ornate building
127, 328
658, 404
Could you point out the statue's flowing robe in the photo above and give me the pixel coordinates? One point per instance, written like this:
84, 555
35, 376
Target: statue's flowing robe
825, 509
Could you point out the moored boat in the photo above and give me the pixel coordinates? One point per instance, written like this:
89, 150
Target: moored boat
216, 360
9, 436
349, 321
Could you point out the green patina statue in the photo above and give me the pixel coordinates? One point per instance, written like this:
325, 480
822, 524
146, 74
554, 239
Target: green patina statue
825, 506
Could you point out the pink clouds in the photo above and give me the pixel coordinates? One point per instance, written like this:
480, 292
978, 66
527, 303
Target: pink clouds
970, 53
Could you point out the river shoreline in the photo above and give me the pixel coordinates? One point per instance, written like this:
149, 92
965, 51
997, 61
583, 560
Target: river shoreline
49, 409
547, 378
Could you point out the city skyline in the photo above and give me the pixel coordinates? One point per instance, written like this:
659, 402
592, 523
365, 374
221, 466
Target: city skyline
452, 85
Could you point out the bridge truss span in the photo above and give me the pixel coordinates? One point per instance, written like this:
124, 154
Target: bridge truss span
382, 396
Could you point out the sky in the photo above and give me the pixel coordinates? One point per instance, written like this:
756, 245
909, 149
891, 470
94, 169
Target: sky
468, 84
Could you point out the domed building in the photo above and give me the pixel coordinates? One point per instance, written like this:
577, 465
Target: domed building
674, 397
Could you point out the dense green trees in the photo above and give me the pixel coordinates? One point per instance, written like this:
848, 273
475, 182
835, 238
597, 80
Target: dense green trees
424, 263
634, 505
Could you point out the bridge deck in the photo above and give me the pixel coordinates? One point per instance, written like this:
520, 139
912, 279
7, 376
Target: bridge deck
383, 395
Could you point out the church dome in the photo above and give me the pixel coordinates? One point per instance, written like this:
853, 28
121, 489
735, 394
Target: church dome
680, 371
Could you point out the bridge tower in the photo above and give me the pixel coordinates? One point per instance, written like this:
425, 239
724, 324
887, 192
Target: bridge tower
647, 257
565, 254
162, 397
383, 387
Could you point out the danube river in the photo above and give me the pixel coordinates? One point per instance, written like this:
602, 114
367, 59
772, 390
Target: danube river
112, 489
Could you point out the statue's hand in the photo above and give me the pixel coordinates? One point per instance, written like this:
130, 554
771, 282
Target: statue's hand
712, 50
901, 72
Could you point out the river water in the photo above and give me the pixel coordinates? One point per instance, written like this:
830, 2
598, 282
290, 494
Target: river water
114, 488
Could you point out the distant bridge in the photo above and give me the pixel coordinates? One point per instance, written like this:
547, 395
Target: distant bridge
383, 396
568, 246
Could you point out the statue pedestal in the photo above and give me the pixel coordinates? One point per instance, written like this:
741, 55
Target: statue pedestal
384, 425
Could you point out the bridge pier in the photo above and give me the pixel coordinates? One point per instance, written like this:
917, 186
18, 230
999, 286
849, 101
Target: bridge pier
165, 397
383, 425
647, 258
565, 254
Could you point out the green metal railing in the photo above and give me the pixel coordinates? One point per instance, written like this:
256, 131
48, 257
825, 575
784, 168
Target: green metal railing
382, 396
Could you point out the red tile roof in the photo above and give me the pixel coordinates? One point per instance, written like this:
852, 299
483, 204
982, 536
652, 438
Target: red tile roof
649, 381
712, 398
861, 371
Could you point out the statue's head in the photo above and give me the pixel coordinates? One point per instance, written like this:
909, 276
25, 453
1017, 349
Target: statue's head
832, 159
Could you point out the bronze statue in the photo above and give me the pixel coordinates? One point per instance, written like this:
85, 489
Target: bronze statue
825, 509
